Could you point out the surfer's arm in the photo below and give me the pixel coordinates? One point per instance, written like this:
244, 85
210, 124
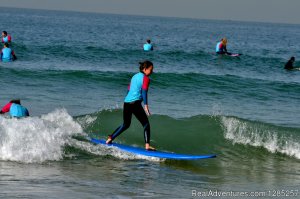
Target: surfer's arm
145, 100
145, 86
6, 108
145, 96
13, 55
225, 49
27, 113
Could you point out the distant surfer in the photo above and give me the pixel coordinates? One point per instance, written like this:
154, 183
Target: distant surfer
7, 54
5, 37
137, 93
290, 64
15, 109
221, 47
148, 46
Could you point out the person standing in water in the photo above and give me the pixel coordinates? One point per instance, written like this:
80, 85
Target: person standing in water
137, 93
148, 46
7, 54
5, 37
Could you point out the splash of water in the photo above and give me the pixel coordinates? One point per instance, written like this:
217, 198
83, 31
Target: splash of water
37, 139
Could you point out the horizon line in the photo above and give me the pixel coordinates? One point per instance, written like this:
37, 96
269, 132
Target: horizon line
139, 15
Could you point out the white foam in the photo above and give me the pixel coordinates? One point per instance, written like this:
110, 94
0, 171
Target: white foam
260, 136
86, 120
37, 139
103, 150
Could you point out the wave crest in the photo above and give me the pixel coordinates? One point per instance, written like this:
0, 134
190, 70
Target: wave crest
259, 135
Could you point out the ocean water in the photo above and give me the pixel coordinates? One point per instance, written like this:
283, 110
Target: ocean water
72, 74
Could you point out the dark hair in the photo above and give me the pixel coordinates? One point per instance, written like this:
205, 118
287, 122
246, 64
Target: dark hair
292, 59
16, 101
5, 32
6, 44
148, 41
145, 64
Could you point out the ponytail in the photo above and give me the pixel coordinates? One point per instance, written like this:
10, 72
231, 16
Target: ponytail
145, 64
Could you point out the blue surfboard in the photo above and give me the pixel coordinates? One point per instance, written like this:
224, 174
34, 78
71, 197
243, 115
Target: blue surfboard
157, 154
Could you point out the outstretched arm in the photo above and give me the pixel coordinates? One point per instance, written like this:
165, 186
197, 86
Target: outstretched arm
6, 108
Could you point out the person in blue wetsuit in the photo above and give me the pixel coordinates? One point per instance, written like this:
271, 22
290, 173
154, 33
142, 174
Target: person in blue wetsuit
137, 93
5, 37
7, 54
221, 47
148, 46
15, 109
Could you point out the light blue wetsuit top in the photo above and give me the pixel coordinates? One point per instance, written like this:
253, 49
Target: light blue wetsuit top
148, 47
17, 110
138, 88
218, 47
6, 54
5, 39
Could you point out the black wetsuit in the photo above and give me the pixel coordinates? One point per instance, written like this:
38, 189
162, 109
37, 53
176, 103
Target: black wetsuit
135, 108
137, 92
289, 65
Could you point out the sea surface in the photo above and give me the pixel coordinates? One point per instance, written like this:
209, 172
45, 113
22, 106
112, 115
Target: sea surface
72, 74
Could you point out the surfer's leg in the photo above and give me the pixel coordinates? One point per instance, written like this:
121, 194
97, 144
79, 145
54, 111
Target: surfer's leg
143, 119
127, 115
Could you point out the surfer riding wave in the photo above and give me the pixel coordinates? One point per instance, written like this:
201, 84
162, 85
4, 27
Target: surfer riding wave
137, 92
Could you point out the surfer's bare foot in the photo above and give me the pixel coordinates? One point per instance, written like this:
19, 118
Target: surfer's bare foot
109, 140
149, 148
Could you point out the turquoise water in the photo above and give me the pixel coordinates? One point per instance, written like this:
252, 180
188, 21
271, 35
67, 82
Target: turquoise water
72, 74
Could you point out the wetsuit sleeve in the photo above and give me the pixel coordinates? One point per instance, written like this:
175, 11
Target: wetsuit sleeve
6, 108
128, 88
145, 86
225, 49
13, 55
26, 113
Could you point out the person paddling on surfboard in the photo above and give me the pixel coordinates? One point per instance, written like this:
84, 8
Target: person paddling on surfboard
290, 64
221, 47
15, 109
137, 92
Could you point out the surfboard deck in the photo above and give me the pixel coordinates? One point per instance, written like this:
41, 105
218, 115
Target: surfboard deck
157, 154
234, 55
